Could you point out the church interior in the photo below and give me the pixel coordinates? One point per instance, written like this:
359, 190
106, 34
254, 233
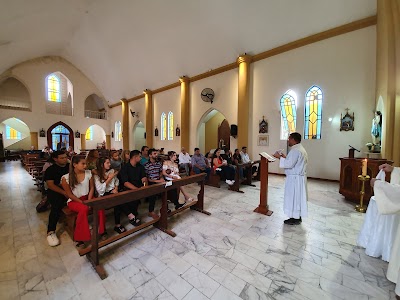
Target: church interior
119, 75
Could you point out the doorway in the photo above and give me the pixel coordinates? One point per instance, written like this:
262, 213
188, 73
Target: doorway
60, 136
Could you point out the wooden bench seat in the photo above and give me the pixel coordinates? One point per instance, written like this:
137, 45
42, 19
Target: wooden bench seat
110, 201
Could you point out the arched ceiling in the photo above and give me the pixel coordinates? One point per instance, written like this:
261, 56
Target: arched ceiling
126, 46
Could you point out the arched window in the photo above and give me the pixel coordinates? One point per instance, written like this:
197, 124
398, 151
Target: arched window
288, 113
89, 134
163, 126
53, 88
118, 131
12, 134
170, 126
60, 137
313, 113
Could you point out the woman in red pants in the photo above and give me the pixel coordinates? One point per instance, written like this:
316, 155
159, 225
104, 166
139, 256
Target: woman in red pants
79, 186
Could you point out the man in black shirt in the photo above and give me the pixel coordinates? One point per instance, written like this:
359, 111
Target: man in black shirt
55, 194
133, 177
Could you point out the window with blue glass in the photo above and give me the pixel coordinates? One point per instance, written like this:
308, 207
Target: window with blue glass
170, 126
89, 134
12, 134
118, 131
313, 113
288, 113
53, 88
163, 126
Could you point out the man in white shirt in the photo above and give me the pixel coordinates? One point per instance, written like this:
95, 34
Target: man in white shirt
388, 202
246, 159
185, 160
295, 165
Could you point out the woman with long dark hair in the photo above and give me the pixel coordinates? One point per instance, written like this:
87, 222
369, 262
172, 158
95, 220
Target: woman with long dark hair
221, 167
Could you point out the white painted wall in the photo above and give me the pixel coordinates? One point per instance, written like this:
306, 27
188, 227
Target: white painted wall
99, 135
344, 68
33, 74
165, 102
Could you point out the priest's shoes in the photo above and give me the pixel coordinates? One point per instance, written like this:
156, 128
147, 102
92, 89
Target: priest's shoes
292, 221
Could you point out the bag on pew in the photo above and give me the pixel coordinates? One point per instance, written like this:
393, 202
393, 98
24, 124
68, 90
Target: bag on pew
43, 205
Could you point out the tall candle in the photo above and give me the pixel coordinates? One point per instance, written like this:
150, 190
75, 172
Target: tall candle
364, 167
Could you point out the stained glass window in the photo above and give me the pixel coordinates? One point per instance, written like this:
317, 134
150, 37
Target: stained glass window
313, 113
53, 88
12, 134
89, 134
60, 129
118, 131
288, 114
163, 126
170, 126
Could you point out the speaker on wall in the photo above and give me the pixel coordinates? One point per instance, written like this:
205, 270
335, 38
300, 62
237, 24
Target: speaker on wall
234, 130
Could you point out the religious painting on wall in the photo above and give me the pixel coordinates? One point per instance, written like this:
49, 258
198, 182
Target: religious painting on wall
77, 134
263, 140
347, 121
263, 126
42, 133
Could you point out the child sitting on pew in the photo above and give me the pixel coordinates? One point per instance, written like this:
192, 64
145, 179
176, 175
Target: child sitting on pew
78, 185
106, 183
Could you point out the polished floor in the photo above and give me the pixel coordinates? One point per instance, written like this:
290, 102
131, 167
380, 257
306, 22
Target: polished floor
232, 254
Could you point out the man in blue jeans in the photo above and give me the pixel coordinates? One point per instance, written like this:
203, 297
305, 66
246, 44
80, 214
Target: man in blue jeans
200, 164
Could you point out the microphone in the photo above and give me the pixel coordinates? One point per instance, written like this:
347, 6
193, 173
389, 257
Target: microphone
351, 147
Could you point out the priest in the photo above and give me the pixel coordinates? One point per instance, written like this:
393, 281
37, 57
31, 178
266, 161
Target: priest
388, 202
295, 165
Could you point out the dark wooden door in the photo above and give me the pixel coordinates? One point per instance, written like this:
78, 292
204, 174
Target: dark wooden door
224, 135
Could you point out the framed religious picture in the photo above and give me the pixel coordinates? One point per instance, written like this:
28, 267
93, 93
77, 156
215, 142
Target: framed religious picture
347, 121
263, 140
42, 133
263, 126
77, 134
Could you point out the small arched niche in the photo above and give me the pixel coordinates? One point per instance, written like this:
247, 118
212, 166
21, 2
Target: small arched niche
14, 95
95, 107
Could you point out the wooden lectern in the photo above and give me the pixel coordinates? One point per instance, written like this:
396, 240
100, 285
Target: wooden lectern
263, 170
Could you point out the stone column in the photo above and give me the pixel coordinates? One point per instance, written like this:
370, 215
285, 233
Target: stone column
108, 141
83, 141
125, 124
243, 62
148, 99
185, 112
35, 140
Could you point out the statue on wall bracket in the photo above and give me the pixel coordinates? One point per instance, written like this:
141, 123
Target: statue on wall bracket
263, 126
156, 131
178, 131
347, 121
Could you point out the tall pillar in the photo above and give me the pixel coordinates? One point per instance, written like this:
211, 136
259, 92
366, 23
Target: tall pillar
35, 140
388, 75
243, 62
148, 100
83, 141
108, 141
185, 112
125, 124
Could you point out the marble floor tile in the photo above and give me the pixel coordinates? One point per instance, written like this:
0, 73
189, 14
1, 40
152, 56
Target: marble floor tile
118, 287
150, 290
312, 292
201, 282
174, 284
252, 277
195, 295
9, 289
224, 294
198, 261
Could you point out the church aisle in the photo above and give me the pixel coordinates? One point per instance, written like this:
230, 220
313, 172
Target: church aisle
232, 254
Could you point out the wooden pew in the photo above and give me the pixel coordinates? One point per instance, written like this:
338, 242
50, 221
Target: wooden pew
248, 176
106, 202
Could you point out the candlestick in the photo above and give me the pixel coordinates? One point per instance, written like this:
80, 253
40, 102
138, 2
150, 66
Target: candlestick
364, 167
361, 207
